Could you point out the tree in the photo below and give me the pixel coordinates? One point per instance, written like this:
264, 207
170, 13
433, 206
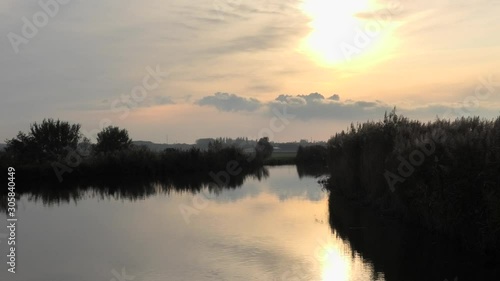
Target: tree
264, 149
46, 141
112, 139
22, 148
216, 145
55, 136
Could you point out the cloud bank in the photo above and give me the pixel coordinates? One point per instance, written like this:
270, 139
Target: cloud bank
230, 102
315, 106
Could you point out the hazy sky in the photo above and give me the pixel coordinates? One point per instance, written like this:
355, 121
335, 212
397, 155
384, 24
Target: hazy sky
291, 69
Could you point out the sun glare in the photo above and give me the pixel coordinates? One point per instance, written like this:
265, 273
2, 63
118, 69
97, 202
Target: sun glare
334, 265
338, 35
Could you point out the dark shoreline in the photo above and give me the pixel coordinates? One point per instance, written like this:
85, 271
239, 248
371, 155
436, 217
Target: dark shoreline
442, 176
397, 248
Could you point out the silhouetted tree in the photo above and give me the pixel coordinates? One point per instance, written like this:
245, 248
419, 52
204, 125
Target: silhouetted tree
264, 149
46, 141
112, 139
216, 145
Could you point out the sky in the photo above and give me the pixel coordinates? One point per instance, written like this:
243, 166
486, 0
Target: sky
175, 71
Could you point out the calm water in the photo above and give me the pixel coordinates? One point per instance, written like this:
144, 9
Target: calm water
273, 228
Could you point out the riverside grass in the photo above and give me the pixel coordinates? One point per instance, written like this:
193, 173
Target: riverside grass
453, 190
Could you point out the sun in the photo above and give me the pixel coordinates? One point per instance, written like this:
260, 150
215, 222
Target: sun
339, 34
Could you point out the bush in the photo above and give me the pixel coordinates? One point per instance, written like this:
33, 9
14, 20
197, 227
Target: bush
314, 154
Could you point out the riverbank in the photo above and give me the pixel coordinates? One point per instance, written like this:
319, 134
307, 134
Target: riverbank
404, 252
442, 176
279, 158
138, 162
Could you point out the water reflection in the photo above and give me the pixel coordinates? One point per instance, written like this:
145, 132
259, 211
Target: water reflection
138, 189
274, 224
129, 188
314, 170
402, 253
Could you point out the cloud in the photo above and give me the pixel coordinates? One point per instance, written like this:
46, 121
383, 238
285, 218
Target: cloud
334, 97
315, 106
387, 14
267, 37
161, 100
304, 107
230, 102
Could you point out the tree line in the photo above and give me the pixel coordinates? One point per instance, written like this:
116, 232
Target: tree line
55, 146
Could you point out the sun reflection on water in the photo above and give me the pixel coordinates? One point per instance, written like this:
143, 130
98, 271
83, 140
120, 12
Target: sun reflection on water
334, 265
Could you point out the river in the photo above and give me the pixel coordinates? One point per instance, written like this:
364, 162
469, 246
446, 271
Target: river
275, 226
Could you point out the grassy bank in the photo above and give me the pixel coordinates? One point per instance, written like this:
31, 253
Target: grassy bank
281, 158
442, 175
136, 162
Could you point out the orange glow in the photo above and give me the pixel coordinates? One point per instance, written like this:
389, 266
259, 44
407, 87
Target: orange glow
341, 38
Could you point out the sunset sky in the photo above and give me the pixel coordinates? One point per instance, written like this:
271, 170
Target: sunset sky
208, 68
